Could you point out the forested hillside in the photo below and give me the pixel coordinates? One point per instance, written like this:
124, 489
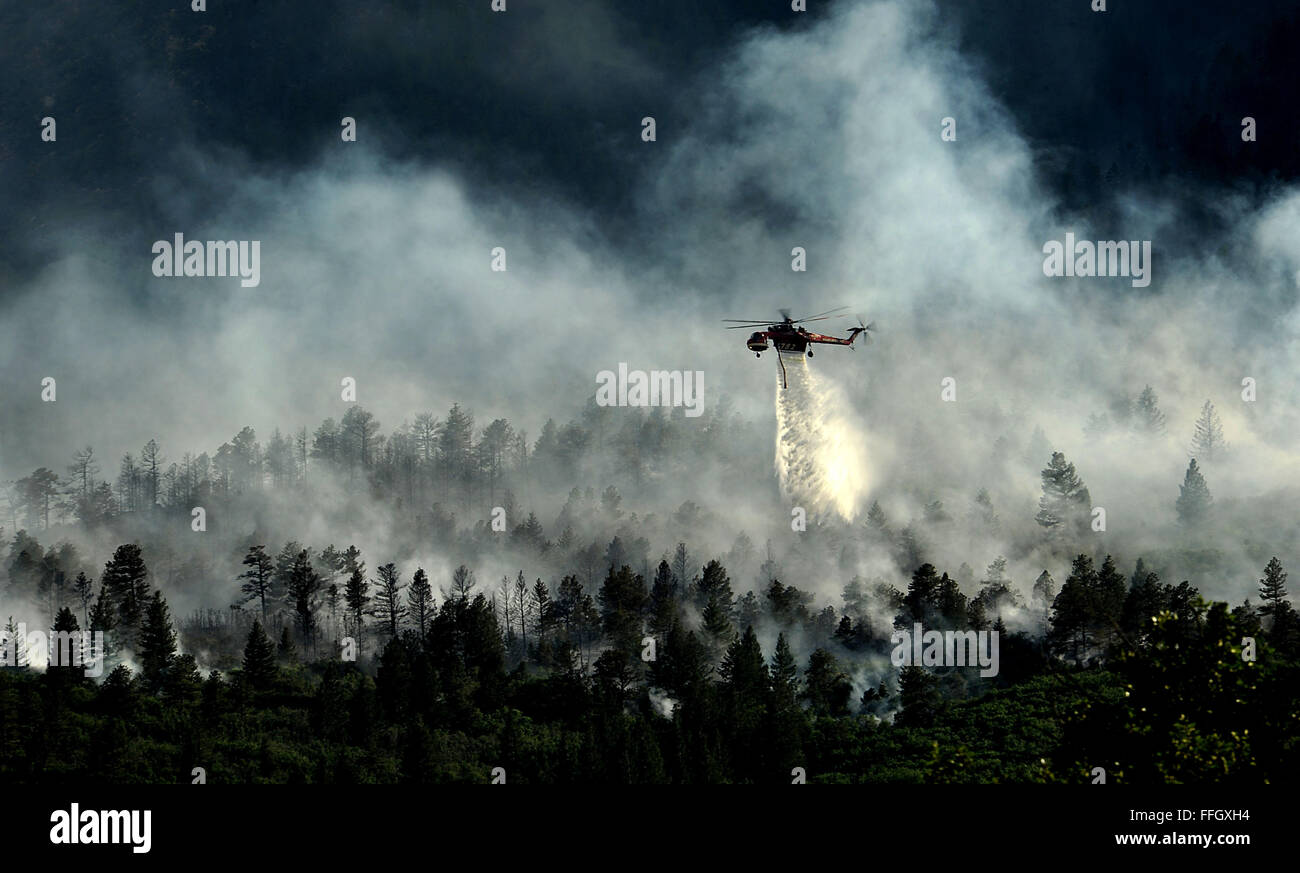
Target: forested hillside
618, 647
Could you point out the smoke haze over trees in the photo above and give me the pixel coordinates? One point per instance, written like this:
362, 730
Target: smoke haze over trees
325, 519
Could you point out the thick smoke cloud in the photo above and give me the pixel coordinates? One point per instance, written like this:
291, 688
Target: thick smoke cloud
825, 137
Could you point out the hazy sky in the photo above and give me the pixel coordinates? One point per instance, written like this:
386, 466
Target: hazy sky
523, 130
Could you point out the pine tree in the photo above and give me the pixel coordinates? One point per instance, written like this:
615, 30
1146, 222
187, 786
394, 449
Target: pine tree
462, 583
743, 671
922, 600
918, 693
257, 578
784, 674
303, 585
1066, 503
1194, 498
126, 579
1147, 417
1207, 441
984, 510
1144, 601
717, 624
911, 551
157, 644
85, 590
356, 596
681, 565
828, 687
543, 611
286, 652
65, 643
878, 523
1070, 610
11, 637
1108, 609
283, 572
419, 601
1044, 589
389, 609
259, 658
622, 598
103, 620
1272, 588
663, 600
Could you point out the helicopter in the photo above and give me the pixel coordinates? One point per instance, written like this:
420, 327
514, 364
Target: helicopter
788, 335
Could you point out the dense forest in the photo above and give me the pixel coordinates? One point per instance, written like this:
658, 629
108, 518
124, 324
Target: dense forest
599, 657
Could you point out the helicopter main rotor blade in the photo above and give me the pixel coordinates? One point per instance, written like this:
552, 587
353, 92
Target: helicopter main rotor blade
821, 314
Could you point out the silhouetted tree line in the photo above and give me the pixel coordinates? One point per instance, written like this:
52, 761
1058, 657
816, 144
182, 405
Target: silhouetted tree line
656, 680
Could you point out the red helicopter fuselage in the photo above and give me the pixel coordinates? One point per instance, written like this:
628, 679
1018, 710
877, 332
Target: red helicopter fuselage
788, 338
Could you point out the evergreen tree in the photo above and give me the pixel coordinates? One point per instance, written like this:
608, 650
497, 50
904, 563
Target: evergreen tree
103, 620
1071, 615
389, 609
543, 611
742, 670
922, 601
126, 580
283, 572
1147, 417
85, 590
784, 674
303, 585
681, 563
12, 637
65, 646
1207, 440
952, 603
157, 644
1066, 504
622, 598
1044, 589
910, 550
257, 578
745, 689
1088, 611
828, 687
356, 595
462, 583
1108, 611
663, 600
259, 658
878, 523
1194, 498
184, 682
714, 583
419, 601
717, 624
1143, 602
286, 652
918, 692
1272, 588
